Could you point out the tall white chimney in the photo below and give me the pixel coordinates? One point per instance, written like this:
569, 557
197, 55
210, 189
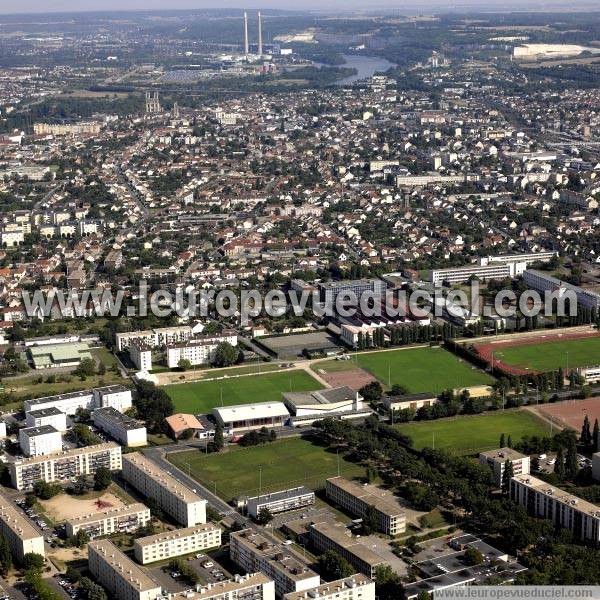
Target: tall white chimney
246, 34
260, 45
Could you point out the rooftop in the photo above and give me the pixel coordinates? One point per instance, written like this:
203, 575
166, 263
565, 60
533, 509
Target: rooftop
175, 534
114, 416
16, 521
67, 453
118, 511
40, 430
331, 588
222, 588
502, 454
249, 412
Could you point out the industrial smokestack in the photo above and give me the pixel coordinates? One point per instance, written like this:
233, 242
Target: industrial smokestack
246, 34
260, 47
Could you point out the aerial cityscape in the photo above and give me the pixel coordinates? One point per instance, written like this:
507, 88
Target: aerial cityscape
299, 303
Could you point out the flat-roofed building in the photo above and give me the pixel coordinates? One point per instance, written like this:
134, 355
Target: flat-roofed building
18, 531
410, 401
254, 551
282, 501
63, 466
496, 460
114, 520
545, 501
178, 542
58, 355
356, 587
331, 535
38, 441
199, 350
255, 586
117, 396
244, 417
359, 499
140, 354
124, 429
176, 499
334, 402
544, 282
47, 416
118, 574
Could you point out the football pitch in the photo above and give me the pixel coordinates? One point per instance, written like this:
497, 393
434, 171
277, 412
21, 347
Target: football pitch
277, 466
551, 355
422, 369
202, 396
472, 434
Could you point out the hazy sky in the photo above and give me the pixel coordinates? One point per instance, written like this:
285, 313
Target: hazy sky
19, 6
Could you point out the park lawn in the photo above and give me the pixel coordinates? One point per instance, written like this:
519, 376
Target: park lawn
202, 396
471, 434
549, 356
282, 464
422, 369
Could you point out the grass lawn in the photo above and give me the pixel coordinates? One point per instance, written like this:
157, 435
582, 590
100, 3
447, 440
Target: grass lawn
284, 464
471, 434
202, 396
422, 369
549, 356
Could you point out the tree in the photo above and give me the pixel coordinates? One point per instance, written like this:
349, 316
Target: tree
559, 465
387, 583
264, 517
507, 475
218, 441
86, 368
225, 355
6, 561
586, 434
371, 392
596, 437
102, 478
184, 364
45, 491
473, 556
79, 540
33, 562
154, 405
332, 566
502, 440
92, 590
571, 463
370, 522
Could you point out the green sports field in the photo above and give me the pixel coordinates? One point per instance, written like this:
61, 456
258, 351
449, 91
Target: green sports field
471, 434
422, 369
202, 396
282, 464
549, 356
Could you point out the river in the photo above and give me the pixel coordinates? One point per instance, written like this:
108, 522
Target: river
366, 66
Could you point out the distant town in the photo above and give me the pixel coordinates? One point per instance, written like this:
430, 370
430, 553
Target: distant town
298, 306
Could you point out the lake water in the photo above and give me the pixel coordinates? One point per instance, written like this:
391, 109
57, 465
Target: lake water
366, 66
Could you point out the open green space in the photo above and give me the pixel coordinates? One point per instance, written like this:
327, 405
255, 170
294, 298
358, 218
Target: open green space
472, 434
418, 369
549, 356
202, 396
277, 466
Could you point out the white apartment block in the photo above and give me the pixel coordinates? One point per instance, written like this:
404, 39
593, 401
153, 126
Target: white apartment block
129, 432
140, 354
496, 460
543, 282
119, 575
47, 416
356, 587
199, 350
176, 499
161, 336
358, 499
545, 501
85, 127
117, 396
254, 551
63, 466
169, 544
278, 502
18, 531
114, 520
39, 441
255, 586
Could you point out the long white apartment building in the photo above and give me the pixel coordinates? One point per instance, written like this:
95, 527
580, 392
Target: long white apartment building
254, 551
281, 501
118, 574
129, 432
359, 499
496, 460
37, 441
544, 282
200, 350
176, 499
65, 465
18, 531
117, 396
356, 587
161, 336
255, 586
178, 542
114, 520
47, 416
490, 267
545, 501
